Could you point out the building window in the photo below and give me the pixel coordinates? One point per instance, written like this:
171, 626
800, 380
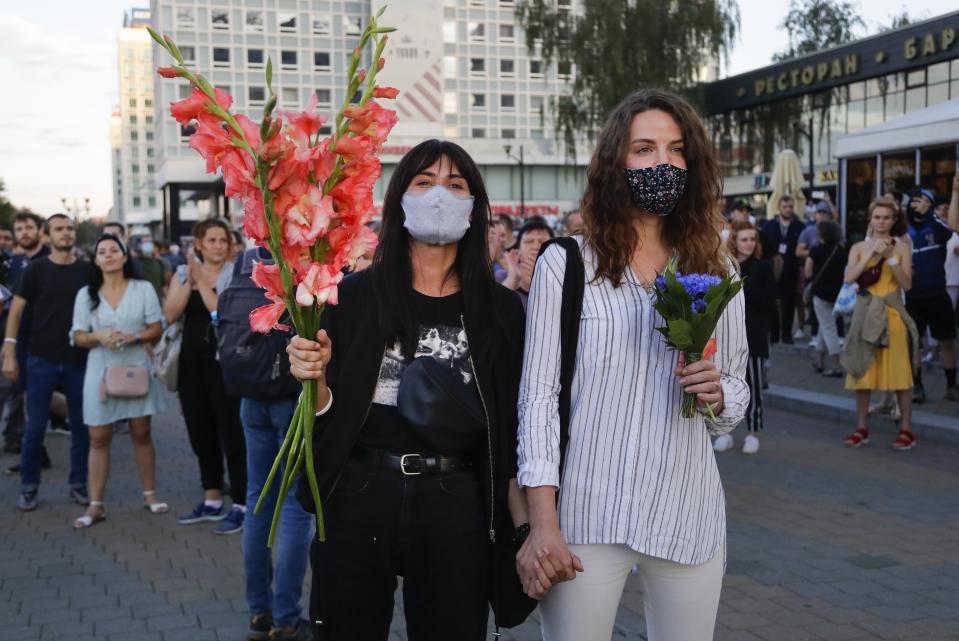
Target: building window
221, 57
152, 201
507, 101
188, 53
477, 67
937, 73
150, 137
186, 131
449, 66
148, 120
915, 99
185, 17
326, 130
287, 22
135, 168
449, 31
150, 169
536, 134
321, 60
536, 68
916, 78
133, 120
148, 103
937, 93
256, 94
478, 101
254, 21
324, 97
507, 67
536, 104
220, 18
508, 133
321, 25
477, 31
149, 152
133, 102
288, 59
136, 201
254, 56
507, 33
564, 69
290, 96
450, 102
352, 25
133, 136
478, 132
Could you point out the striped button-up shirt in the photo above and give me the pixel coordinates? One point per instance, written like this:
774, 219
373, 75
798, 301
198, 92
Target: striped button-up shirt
636, 472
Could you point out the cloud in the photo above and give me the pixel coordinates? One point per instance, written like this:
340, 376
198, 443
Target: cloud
25, 43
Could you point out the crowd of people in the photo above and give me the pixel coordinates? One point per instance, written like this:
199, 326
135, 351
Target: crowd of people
909, 258
499, 420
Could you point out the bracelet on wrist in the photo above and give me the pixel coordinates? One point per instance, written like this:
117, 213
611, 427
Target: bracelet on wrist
10, 340
521, 533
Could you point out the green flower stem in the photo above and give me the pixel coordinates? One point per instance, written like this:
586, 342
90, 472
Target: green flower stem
689, 400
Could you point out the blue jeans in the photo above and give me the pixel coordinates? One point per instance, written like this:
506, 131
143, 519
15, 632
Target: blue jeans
43, 377
265, 424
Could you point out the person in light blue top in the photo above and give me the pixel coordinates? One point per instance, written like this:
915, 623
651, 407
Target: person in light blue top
116, 316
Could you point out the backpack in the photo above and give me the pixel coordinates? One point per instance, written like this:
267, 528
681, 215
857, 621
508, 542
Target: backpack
254, 365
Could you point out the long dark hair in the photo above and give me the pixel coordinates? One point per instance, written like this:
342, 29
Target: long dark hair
693, 226
96, 274
392, 268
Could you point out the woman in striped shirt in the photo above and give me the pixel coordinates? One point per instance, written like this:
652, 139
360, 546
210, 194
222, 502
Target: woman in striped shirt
639, 483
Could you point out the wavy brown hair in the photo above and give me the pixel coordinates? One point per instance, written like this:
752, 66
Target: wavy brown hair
692, 229
740, 226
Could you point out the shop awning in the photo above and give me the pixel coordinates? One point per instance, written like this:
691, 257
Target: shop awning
929, 127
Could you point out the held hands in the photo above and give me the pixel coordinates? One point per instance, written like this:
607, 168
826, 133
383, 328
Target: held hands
309, 359
545, 560
702, 379
113, 339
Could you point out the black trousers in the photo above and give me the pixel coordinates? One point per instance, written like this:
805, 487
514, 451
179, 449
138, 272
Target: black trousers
212, 423
428, 529
755, 377
787, 310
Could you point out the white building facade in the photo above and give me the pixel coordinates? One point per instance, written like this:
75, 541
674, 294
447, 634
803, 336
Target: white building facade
135, 188
462, 67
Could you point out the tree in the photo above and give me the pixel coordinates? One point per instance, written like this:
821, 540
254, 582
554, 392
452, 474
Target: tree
897, 21
618, 46
814, 25
7, 208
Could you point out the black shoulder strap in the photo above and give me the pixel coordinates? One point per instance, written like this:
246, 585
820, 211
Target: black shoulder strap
574, 282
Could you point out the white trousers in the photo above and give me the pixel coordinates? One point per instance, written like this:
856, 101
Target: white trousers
680, 601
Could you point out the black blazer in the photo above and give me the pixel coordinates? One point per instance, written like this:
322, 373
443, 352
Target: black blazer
759, 289
772, 237
358, 345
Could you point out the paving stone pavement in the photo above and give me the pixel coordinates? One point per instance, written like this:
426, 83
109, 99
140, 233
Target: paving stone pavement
824, 544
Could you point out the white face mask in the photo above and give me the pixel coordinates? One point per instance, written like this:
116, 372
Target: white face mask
146, 248
437, 216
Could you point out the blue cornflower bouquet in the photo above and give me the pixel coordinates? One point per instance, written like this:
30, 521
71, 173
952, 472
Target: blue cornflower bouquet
691, 305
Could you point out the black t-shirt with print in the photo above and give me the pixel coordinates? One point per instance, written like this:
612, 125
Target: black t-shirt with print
442, 337
50, 289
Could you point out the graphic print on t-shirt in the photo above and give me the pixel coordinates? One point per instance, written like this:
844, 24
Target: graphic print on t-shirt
443, 343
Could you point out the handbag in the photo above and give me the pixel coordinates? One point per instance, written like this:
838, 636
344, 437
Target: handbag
445, 413
124, 381
846, 300
166, 356
807, 291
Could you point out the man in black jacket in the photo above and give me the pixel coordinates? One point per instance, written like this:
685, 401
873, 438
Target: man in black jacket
780, 237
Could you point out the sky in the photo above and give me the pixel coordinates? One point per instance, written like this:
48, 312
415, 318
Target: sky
58, 73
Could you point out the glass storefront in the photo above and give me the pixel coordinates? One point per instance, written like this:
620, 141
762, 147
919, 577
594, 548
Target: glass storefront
860, 191
748, 140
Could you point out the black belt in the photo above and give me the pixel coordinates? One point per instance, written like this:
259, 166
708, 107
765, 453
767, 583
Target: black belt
410, 464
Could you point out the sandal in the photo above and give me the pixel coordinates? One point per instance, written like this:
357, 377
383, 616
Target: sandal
905, 441
155, 508
86, 520
857, 438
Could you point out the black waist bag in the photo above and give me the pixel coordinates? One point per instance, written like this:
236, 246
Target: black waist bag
445, 414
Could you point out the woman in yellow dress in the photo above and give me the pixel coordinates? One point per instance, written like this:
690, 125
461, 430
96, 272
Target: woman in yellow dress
881, 347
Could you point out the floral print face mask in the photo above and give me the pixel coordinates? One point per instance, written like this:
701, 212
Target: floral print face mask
656, 189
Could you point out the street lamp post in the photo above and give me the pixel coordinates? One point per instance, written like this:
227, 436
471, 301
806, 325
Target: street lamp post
75, 209
522, 178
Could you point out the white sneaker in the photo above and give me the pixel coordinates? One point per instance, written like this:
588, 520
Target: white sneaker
723, 443
814, 341
751, 446
799, 334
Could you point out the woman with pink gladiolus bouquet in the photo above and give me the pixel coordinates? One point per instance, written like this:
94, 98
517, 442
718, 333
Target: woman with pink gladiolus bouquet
305, 198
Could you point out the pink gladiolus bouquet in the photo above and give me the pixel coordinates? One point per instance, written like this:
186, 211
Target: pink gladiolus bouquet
307, 199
